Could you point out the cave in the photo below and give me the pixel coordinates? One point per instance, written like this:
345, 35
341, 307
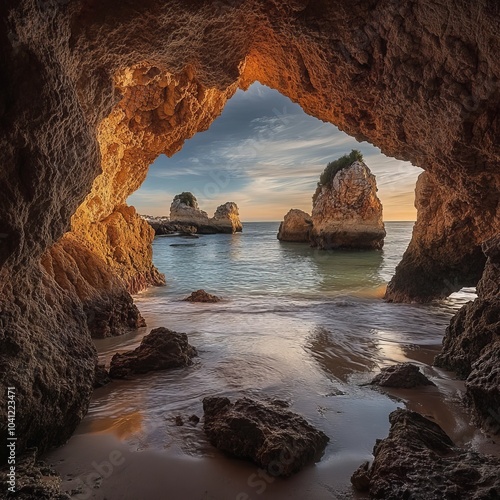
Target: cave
93, 92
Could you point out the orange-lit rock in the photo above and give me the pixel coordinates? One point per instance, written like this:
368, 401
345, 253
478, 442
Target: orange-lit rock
93, 91
296, 226
347, 212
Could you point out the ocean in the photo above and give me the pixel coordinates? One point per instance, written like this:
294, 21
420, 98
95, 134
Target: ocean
295, 323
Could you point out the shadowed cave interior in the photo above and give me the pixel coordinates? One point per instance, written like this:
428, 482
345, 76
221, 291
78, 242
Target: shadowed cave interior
93, 93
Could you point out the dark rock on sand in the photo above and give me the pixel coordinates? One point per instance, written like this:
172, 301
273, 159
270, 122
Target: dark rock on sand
194, 419
101, 376
419, 461
34, 480
159, 350
471, 345
402, 375
202, 296
275, 439
361, 477
179, 421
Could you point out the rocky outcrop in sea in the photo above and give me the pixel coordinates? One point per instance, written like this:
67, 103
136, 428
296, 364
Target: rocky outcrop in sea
346, 213
296, 226
186, 217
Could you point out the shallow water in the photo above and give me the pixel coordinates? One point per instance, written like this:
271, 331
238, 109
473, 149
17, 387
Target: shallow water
296, 323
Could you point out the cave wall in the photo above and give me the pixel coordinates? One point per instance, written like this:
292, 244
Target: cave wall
93, 91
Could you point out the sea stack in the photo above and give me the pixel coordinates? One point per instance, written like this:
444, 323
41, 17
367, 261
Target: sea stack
226, 218
185, 211
347, 212
295, 227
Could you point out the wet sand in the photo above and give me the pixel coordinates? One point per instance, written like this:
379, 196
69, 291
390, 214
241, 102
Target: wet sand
207, 474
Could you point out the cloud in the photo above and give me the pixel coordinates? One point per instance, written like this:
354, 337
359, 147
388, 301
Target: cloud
266, 154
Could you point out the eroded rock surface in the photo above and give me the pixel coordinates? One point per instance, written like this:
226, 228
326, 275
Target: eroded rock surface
347, 212
93, 92
418, 460
101, 377
161, 349
402, 375
444, 254
34, 480
226, 218
296, 226
185, 212
202, 296
471, 345
274, 438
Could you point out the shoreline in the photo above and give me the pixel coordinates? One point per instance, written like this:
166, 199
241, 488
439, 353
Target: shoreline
153, 473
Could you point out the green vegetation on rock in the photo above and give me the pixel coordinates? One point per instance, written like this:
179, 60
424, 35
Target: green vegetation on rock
187, 198
334, 167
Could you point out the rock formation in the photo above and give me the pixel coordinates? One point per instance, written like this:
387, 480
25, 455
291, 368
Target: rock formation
346, 210
471, 345
101, 377
161, 349
296, 226
226, 219
93, 92
402, 375
418, 460
184, 211
277, 440
444, 254
202, 296
34, 479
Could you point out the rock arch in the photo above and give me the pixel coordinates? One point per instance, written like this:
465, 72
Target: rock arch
92, 92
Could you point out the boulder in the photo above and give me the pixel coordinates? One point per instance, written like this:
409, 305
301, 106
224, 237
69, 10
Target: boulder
274, 438
346, 210
471, 345
34, 479
101, 376
402, 375
226, 218
202, 296
159, 350
419, 461
295, 227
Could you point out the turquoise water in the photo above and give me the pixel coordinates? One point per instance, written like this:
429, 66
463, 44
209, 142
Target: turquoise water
255, 264
296, 323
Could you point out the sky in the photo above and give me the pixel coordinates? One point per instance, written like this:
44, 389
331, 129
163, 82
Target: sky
265, 154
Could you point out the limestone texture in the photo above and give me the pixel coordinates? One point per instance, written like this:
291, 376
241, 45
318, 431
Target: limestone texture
34, 479
444, 254
296, 227
402, 375
161, 349
277, 440
225, 220
471, 345
418, 460
92, 92
347, 212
